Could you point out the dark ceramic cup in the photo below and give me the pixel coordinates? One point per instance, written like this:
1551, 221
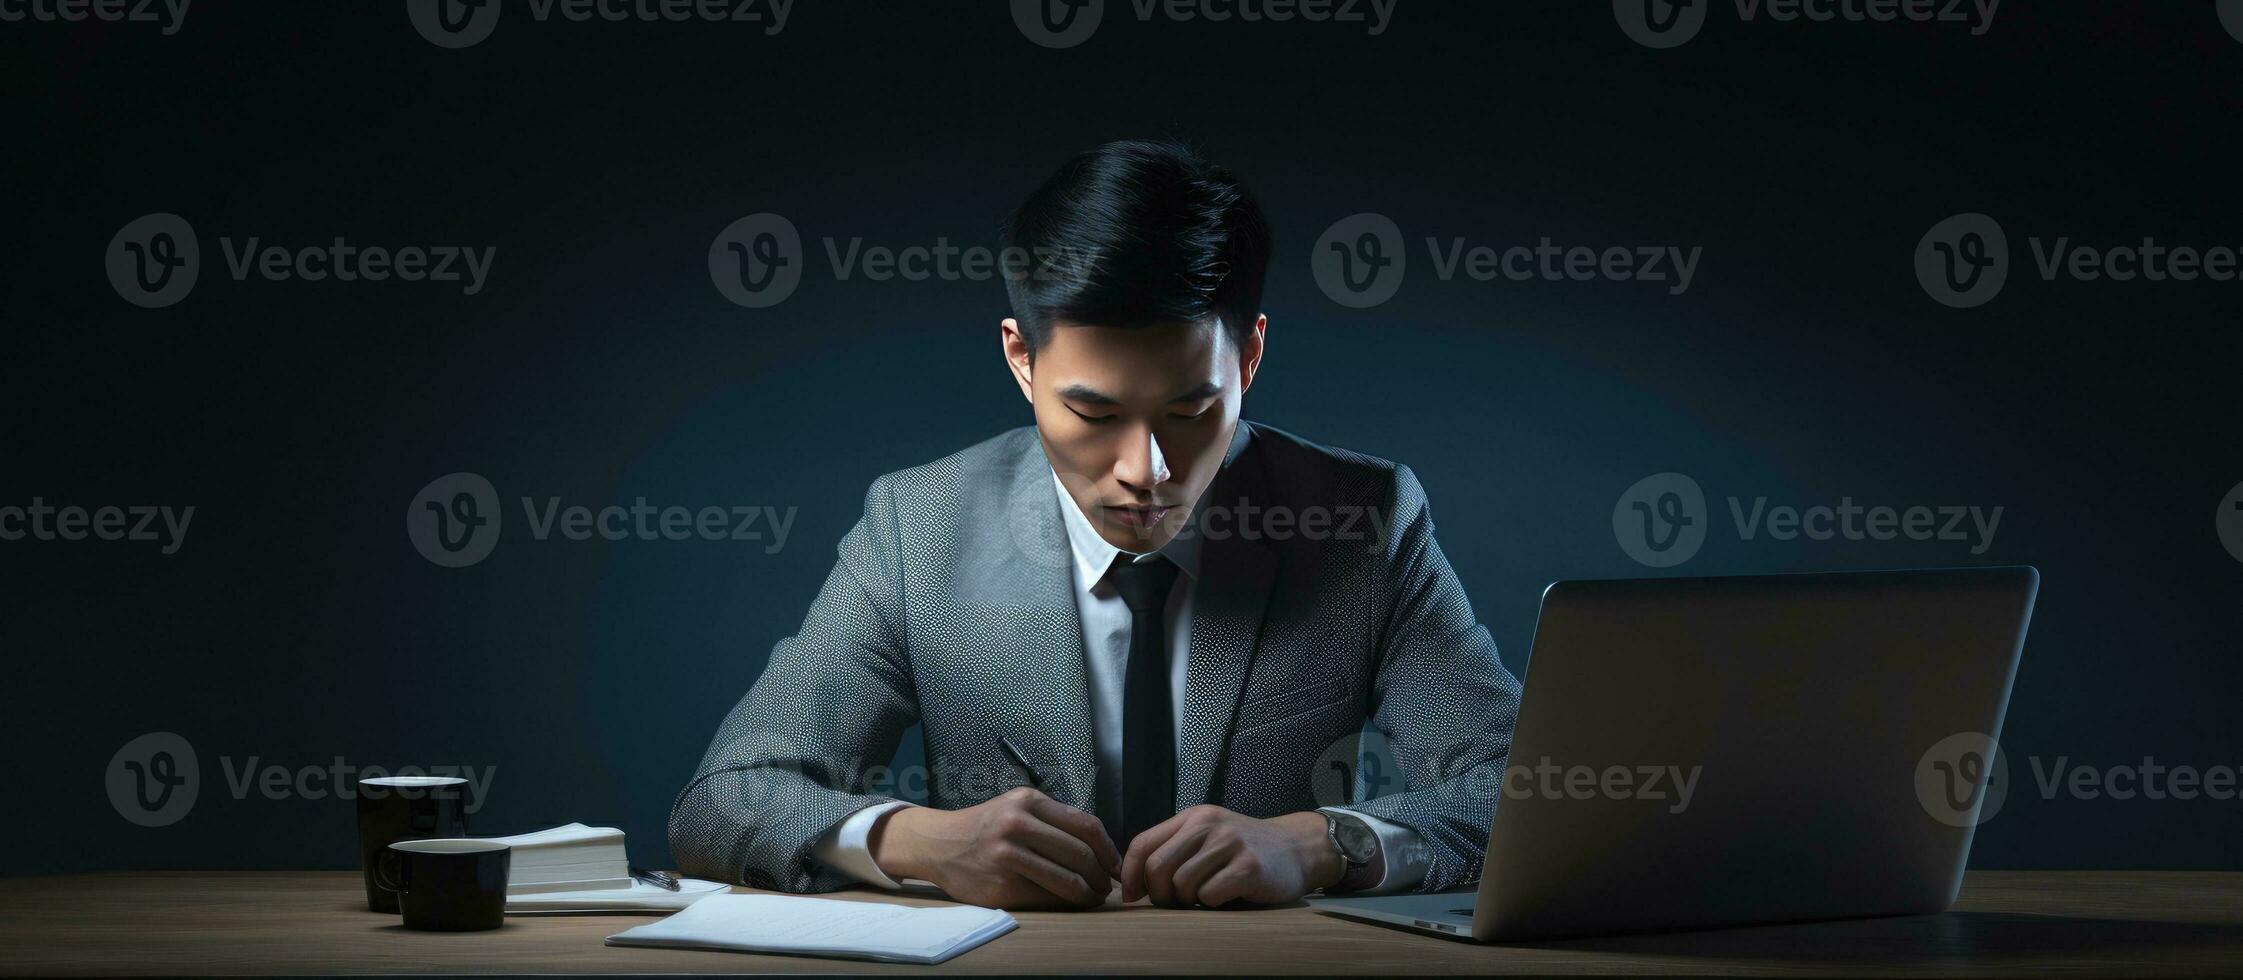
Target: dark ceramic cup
452, 885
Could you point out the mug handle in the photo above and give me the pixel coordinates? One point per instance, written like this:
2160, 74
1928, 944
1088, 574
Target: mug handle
393, 872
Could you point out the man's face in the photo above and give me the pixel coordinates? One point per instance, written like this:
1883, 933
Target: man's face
1135, 421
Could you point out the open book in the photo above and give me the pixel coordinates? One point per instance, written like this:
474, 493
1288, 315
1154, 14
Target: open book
823, 927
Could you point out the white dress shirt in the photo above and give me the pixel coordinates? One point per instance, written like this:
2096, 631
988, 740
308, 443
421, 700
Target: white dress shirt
1106, 622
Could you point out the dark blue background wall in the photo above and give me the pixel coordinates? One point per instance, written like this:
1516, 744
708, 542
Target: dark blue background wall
297, 623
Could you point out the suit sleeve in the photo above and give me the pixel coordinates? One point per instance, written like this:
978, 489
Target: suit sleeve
790, 761
1442, 700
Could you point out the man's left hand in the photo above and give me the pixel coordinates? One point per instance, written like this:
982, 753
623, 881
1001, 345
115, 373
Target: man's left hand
1210, 856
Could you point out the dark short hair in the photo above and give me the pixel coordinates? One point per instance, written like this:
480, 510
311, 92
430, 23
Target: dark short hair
1138, 233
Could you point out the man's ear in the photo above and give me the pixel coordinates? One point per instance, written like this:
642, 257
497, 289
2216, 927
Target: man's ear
1249, 353
1017, 355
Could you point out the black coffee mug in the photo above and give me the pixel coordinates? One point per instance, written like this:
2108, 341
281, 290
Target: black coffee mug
452, 885
395, 808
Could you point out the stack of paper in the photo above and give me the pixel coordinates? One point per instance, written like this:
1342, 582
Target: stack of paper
568, 858
823, 927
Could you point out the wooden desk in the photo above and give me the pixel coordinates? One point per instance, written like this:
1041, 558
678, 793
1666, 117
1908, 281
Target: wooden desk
2083, 922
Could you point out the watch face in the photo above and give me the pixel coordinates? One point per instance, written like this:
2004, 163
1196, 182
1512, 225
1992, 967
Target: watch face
1356, 841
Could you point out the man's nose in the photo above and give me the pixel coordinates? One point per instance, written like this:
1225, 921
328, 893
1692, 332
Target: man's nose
1142, 465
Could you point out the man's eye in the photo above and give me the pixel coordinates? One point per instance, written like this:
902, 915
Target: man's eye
1194, 415
1092, 419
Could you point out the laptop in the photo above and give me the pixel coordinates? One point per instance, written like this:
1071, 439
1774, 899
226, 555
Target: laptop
1703, 752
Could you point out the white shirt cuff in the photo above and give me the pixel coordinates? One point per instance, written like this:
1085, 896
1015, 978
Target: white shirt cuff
847, 847
1401, 847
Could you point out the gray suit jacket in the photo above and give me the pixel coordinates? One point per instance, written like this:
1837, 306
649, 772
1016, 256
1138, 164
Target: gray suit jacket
952, 606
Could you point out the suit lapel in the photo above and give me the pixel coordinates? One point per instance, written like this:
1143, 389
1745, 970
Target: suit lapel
1231, 598
1040, 678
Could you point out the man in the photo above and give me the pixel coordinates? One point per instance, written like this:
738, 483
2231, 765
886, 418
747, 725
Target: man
1136, 635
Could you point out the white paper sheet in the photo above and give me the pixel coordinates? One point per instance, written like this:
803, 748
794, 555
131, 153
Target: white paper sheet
823, 927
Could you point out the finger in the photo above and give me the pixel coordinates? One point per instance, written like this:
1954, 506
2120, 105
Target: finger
1160, 869
1202, 865
1227, 885
1140, 849
1068, 852
1065, 884
1084, 827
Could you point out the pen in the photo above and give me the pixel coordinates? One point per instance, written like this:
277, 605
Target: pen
1013, 751
655, 878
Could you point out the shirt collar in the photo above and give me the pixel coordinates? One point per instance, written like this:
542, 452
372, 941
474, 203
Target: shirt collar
1094, 554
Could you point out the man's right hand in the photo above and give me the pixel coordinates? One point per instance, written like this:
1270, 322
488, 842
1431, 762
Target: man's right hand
1020, 850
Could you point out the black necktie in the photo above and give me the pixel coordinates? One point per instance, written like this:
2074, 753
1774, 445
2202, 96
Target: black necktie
1148, 722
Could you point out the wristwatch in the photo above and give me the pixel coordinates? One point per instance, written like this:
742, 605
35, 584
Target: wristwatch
1357, 845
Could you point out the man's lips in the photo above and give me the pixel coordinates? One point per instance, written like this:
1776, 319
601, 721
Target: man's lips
1135, 516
